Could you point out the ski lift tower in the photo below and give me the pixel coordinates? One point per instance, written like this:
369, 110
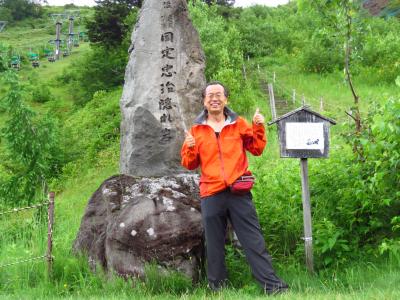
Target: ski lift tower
58, 40
71, 33
2, 25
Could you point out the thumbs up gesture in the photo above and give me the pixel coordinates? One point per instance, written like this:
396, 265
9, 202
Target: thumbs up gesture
189, 139
258, 118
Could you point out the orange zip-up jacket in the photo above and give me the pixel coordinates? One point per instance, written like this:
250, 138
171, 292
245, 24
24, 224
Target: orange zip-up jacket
222, 159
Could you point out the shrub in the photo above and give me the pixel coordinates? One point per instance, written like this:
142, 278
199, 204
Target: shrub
32, 155
321, 54
42, 94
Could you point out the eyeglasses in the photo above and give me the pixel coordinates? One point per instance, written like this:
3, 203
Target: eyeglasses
217, 95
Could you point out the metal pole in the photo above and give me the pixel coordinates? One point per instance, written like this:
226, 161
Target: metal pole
272, 100
307, 215
70, 33
50, 232
57, 40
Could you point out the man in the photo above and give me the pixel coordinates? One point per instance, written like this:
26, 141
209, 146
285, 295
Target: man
217, 143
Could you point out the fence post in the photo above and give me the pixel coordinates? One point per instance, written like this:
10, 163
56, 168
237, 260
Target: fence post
272, 100
50, 232
294, 96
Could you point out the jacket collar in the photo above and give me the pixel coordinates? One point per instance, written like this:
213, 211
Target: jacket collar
230, 115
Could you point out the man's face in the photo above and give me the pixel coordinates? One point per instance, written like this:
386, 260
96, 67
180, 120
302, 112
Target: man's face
215, 100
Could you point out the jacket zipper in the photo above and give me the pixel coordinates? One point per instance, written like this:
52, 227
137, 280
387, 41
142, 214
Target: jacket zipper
220, 158
220, 152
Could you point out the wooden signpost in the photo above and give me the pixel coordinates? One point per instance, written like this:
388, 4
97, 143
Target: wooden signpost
2, 25
304, 134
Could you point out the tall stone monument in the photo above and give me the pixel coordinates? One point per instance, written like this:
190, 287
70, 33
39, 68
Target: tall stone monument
151, 212
162, 92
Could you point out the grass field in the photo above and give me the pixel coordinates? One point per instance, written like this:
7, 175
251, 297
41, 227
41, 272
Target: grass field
72, 279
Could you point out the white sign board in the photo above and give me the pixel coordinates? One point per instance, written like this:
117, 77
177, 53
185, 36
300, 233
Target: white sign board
305, 136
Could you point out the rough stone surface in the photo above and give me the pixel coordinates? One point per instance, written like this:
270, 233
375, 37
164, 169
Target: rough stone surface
130, 221
162, 92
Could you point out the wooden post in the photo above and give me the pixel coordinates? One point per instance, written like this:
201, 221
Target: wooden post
50, 232
272, 100
294, 96
307, 215
244, 72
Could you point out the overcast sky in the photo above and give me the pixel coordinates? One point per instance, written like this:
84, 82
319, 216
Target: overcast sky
237, 2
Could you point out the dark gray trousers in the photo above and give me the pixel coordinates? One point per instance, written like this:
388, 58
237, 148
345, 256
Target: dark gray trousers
240, 210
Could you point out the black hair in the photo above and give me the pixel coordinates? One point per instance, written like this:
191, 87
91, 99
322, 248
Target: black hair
226, 91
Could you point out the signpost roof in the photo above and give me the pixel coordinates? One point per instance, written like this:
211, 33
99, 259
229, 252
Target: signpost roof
303, 108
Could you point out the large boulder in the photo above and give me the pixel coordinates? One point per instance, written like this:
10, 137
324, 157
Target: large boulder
133, 221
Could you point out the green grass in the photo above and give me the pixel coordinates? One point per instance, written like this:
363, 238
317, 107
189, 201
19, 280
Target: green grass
333, 88
72, 278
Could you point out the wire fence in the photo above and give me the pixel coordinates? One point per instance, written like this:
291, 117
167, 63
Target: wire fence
295, 98
50, 222
15, 210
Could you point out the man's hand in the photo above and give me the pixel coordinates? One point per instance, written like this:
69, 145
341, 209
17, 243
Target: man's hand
189, 139
258, 118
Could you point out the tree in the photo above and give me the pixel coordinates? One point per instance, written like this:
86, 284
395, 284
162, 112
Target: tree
341, 14
31, 155
220, 2
5, 14
21, 9
108, 27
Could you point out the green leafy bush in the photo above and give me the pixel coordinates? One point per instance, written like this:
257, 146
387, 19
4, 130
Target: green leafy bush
358, 198
264, 30
42, 94
321, 55
4, 57
32, 155
220, 42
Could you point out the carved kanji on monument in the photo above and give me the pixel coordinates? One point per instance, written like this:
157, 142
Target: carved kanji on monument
162, 92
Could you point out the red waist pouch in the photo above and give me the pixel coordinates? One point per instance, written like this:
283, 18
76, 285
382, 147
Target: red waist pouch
243, 184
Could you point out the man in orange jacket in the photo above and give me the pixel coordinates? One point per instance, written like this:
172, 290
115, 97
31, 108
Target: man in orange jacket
217, 143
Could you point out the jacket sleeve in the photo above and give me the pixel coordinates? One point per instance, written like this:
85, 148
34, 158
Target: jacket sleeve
190, 156
254, 138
